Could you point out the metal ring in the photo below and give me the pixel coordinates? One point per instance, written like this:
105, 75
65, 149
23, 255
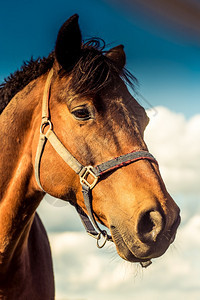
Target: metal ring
44, 125
105, 235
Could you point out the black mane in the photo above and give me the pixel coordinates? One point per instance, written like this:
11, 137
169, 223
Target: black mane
92, 72
18, 80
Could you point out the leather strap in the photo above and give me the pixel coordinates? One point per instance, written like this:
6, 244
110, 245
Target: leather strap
123, 160
63, 152
46, 96
86, 222
87, 195
40, 149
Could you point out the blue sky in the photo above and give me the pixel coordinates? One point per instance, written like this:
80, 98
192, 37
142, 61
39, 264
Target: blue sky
166, 65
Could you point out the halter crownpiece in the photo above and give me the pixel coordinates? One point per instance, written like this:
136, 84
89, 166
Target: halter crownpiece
96, 172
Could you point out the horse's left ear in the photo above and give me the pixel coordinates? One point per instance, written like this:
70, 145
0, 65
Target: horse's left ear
68, 44
118, 56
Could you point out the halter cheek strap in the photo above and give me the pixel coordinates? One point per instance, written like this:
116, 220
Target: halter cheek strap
47, 134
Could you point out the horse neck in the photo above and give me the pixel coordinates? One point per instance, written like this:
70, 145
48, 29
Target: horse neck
19, 197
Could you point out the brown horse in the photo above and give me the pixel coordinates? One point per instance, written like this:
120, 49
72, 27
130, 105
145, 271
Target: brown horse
80, 94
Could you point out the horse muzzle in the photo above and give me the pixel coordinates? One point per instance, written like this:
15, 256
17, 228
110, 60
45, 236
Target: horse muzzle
149, 238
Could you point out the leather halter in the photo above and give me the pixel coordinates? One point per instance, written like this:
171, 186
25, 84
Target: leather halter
90, 223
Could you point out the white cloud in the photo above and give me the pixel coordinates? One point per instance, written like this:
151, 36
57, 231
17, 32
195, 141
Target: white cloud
58, 215
175, 142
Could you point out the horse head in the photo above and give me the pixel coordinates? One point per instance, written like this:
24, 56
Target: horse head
92, 113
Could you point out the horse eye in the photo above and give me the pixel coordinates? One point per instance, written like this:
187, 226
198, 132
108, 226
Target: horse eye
81, 114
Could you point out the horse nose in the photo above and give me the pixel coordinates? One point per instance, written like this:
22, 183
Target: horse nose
150, 224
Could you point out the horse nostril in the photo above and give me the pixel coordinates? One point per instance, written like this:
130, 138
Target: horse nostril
150, 225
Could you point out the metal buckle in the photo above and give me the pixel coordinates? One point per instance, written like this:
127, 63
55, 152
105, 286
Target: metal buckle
44, 124
98, 237
105, 236
84, 174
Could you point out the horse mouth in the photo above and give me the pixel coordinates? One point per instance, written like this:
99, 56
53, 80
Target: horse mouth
123, 248
131, 249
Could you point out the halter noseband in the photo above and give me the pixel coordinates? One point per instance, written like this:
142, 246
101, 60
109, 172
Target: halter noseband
89, 223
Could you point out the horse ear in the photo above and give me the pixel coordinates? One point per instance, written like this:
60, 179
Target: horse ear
118, 56
68, 43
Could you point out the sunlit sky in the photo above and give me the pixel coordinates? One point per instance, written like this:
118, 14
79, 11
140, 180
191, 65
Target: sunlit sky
166, 64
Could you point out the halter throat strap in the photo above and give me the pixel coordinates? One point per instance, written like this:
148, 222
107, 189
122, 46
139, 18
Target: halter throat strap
47, 134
